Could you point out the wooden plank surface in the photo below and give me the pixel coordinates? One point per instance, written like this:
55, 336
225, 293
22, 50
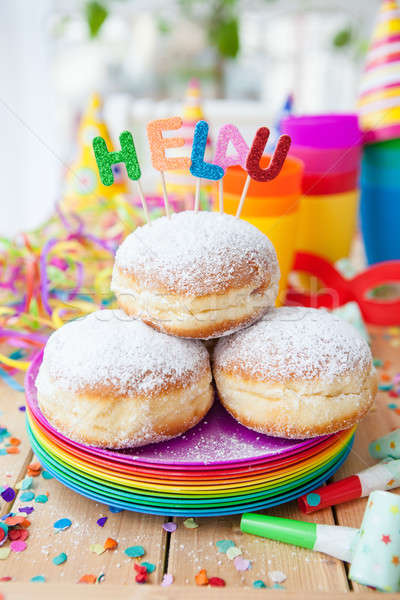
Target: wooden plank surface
380, 421
194, 549
13, 466
18, 591
182, 553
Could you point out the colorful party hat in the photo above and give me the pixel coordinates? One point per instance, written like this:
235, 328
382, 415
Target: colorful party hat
379, 102
83, 186
180, 182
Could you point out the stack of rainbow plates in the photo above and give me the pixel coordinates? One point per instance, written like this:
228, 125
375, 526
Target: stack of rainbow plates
217, 468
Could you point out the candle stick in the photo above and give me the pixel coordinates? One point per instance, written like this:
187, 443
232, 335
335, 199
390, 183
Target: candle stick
253, 161
199, 168
229, 134
126, 155
158, 145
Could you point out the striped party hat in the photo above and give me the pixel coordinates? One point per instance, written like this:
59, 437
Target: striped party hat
379, 101
82, 183
180, 182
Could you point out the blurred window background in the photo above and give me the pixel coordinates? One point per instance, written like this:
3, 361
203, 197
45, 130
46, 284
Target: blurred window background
248, 55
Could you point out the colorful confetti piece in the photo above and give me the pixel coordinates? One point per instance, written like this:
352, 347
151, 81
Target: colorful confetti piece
190, 523
62, 524
134, 551
8, 494
223, 545
102, 521
60, 559
170, 527
38, 579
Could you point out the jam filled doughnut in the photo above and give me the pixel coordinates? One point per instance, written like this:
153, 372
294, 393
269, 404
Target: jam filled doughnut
297, 373
197, 274
109, 381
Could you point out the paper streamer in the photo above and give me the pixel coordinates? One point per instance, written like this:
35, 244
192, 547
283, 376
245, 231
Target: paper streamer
383, 476
386, 446
376, 557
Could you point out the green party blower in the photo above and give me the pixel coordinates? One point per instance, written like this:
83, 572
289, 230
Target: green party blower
331, 539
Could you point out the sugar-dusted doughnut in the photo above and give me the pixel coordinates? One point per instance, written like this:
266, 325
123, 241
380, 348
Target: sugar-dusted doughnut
110, 381
197, 274
297, 373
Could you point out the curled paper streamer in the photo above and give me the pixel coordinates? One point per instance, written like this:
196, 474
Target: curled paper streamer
376, 556
256, 152
230, 134
331, 539
383, 476
199, 168
159, 143
387, 446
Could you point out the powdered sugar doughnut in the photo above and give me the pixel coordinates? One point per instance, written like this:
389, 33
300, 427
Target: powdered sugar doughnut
197, 274
297, 373
110, 381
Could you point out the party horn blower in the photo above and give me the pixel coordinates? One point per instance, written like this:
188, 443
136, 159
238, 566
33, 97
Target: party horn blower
376, 556
373, 550
383, 476
387, 446
330, 539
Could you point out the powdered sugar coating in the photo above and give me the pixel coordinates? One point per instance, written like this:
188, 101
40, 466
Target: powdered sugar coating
295, 343
198, 254
109, 351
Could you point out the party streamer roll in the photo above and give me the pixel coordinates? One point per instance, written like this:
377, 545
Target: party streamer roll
376, 557
383, 476
330, 539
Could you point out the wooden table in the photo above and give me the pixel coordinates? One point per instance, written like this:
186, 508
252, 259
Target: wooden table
184, 552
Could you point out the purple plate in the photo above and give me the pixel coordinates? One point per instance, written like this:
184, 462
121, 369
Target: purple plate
218, 441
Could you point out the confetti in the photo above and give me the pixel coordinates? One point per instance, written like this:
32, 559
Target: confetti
141, 577
149, 566
216, 582
60, 559
190, 523
88, 579
4, 553
27, 496
242, 564
18, 546
167, 579
97, 549
134, 551
26, 509
46, 475
378, 362
170, 527
277, 576
100, 578
114, 509
38, 579
258, 583
233, 552
385, 387
102, 521
41, 499
110, 544
8, 494
62, 524
223, 545
18, 534
14, 441
201, 577
26, 483
14, 521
